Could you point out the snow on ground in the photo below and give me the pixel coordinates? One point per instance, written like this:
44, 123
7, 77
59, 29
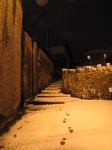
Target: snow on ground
78, 125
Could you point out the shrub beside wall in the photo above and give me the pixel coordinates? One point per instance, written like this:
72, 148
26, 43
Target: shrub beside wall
88, 82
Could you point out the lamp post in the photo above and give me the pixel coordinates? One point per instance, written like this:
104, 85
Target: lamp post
104, 58
89, 58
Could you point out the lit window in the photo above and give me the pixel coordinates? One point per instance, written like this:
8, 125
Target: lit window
88, 57
104, 55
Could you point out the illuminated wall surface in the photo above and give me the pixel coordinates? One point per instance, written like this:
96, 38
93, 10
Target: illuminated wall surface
45, 69
87, 82
27, 65
37, 67
25, 69
10, 56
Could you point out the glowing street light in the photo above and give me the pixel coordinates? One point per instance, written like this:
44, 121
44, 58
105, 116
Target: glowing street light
89, 58
42, 2
104, 58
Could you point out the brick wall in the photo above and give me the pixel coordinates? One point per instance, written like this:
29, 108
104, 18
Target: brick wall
88, 82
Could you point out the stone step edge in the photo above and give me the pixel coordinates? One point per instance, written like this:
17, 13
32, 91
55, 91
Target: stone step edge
45, 102
49, 102
50, 88
49, 96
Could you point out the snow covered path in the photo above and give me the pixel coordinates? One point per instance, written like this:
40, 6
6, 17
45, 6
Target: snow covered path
78, 125
51, 95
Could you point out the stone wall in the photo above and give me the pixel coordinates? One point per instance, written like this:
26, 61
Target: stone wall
88, 82
45, 67
37, 68
26, 65
10, 57
20, 75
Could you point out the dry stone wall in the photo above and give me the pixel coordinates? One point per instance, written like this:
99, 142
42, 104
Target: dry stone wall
88, 82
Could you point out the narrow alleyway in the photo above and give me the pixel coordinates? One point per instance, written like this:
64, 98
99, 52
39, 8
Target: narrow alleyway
74, 125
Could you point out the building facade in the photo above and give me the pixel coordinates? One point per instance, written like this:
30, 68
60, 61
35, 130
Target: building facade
94, 57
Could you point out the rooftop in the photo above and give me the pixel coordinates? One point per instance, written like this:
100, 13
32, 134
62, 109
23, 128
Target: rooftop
57, 50
98, 51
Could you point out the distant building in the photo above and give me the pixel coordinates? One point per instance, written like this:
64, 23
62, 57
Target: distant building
60, 56
109, 59
94, 57
75, 64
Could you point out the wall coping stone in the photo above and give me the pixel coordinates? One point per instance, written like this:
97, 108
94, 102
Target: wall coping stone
99, 67
88, 82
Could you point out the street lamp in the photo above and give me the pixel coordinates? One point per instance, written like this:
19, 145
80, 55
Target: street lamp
104, 58
42, 2
89, 58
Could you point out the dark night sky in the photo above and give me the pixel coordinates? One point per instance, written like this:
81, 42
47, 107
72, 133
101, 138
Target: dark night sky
80, 23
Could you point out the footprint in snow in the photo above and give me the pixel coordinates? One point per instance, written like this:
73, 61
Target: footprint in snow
64, 121
63, 141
